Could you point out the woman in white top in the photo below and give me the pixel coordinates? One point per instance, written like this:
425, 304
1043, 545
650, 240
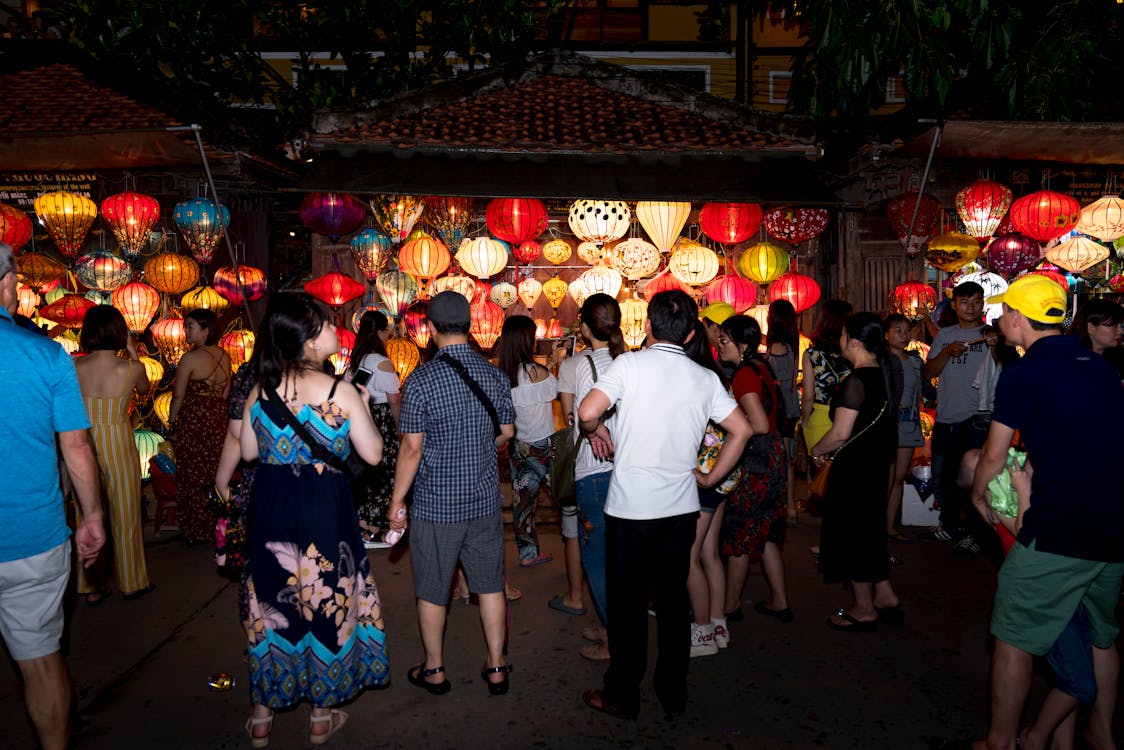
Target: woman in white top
533, 389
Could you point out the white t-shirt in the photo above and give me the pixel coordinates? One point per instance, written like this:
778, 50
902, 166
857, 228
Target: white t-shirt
576, 377
381, 382
957, 399
534, 411
664, 401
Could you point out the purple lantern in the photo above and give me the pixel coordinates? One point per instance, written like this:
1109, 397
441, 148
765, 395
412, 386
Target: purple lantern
332, 214
1011, 254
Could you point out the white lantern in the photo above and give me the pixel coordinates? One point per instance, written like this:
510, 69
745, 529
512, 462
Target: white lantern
1103, 219
634, 314
693, 264
465, 286
602, 280
529, 290
635, 258
482, 257
599, 221
504, 294
663, 220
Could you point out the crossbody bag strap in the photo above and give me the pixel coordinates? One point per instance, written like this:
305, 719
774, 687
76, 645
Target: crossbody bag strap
477, 391
871, 424
277, 410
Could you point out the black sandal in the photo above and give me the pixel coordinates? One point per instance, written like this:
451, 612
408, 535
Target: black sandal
853, 626
497, 688
416, 676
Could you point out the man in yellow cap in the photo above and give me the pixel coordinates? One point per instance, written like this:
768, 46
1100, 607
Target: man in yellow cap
713, 317
1070, 547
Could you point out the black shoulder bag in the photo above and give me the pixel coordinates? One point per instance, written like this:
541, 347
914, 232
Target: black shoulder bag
354, 469
476, 390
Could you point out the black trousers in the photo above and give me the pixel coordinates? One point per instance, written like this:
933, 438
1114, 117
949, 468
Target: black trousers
950, 442
641, 557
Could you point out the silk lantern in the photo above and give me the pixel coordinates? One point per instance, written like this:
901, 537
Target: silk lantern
900, 209
913, 299
397, 290
69, 310
417, 324
734, 291
38, 270
148, 445
981, 206
796, 225
763, 262
602, 280
424, 259
1045, 215
204, 298
1011, 254
555, 291
634, 258
342, 358
239, 346
202, 223
171, 273
462, 285
482, 257
67, 217
137, 303
1103, 219
730, 223
397, 214
693, 264
103, 271
592, 252
579, 292
516, 220
449, 217
99, 297
371, 251
634, 314
529, 290
252, 287
557, 251
162, 408
26, 300
663, 221
15, 227
334, 289
403, 355
332, 214
169, 337
526, 252
154, 371
504, 294
131, 217
800, 290
952, 251
599, 221
760, 313
487, 322
1077, 254
664, 282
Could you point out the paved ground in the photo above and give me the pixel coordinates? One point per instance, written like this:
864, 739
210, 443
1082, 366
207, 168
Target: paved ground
141, 668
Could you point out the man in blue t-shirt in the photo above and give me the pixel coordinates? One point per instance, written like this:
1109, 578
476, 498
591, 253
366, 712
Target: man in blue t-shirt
39, 403
1070, 549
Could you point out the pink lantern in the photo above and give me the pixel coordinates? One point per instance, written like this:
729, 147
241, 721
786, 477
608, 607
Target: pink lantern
796, 225
664, 282
734, 290
800, 290
332, 214
1011, 254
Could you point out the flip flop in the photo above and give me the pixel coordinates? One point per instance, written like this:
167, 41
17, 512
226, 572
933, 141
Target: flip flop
538, 559
559, 603
854, 626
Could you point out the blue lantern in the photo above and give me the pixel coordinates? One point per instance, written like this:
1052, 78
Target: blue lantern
202, 223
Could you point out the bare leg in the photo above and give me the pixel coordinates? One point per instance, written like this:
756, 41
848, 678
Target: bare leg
1106, 666
431, 625
712, 565
737, 570
575, 583
46, 691
493, 613
698, 586
884, 595
894, 500
773, 565
1010, 682
1058, 717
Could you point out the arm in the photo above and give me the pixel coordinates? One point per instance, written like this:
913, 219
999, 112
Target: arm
738, 433
224, 361
507, 432
808, 395
590, 412
993, 458
179, 387
409, 457
1020, 480
246, 437
139, 376
393, 400
934, 366
840, 432
228, 460
365, 438
567, 402
755, 412
82, 465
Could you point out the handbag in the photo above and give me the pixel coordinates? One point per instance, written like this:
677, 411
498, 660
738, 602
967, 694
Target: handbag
354, 468
817, 488
564, 446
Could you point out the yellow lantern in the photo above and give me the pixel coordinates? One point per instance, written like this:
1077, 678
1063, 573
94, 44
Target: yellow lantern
148, 445
602, 280
951, 251
663, 220
482, 257
529, 290
1103, 219
169, 337
592, 252
171, 273
239, 346
38, 270
162, 408
137, 302
204, 298
504, 294
760, 313
635, 258
693, 264
634, 314
554, 290
67, 217
599, 221
154, 371
28, 300
1077, 254
764, 262
557, 251
403, 354
423, 258
465, 286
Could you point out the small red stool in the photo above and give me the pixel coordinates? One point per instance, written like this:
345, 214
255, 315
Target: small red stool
164, 488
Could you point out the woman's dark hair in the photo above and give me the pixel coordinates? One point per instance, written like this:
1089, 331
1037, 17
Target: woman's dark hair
672, 314
892, 320
742, 329
1096, 311
103, 328
208, 322
291, 320
698, 349
602, 315
830, 325
367, 340
782, 324
867, 329
517, 346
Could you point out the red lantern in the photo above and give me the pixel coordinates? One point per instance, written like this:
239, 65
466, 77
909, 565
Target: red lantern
981, 206
733, 290
487, 321
169, 336
800, 290
516, 220
334, 289
1045, 215
253, 283
137, 303
332, 214
664, 282
69, 310
1050, 271
796, 225
900, 212
913, 299
341, 359
239, 346
527, 252
1011, 254
730, 223
417, 324
130, 217
15, 227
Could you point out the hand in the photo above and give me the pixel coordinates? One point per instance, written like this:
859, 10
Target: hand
819, 460
558, 355
397, 516
363, 392
991, 338
601, 443
706, 481
955, 349
89, 538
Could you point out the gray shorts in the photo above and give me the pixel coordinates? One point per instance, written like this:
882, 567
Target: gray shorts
435, 549
31, 591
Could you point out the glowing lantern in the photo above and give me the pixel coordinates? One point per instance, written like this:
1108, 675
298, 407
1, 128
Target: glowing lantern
634, 314
67, 311
913, 299
38, 270
730, 223
423, 258
599, 221
578, 291
68, 341
1103, 219
169, 337
540, 328
246, 280
403, 355
993, 284
601, 280
1077, 254
635, 258
67, 217
201, 222
592, 252
516, 220
693, 264
162, 408
332, 214
800, 290
900, 212
763, 262
1045, 215
796, 225
529, 290
487, 321
99, 297
334, 289
417, 324
154, 371
371, 250
171, 273
15, 227
463, 285
981, 206
397, 214
481, 292
397, 290
1051, 272
760, 313
449, 217
341, 359
1011, 254
663, 220
527, 252
137, 303
482, 257
54, 295
733, 290
239, 346
103, 271
148, 445
665, 282
204, 298
554, 290
130, 216
557, 251
504, 294
28, 300
951, 251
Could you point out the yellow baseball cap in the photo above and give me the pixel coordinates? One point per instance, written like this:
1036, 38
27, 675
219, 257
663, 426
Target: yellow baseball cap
1036, 296
717, 312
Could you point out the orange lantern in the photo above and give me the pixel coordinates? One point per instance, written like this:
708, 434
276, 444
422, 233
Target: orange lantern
341, 359
516, 220
137, 302
239, 346
403, 355
733, 290
423, 258
913, 299
171, 273
169, 337
69, 310
800, 290
334, 289
529, 290
67, 217
1045, 215
557, 251
154, 371
103, 271
693, 264
730, 223
27, 300
253, 283
482, 257
487, 321
397, 290
15, 227
130, 216
763, 262
204, 298
417, 324
665, 282
555, 290
981, 206
38, 270
1077, 254
951, 251
1103, 219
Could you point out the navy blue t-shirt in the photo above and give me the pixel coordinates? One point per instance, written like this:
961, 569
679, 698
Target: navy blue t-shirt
1068, 405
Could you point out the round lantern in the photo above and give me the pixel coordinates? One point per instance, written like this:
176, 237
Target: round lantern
423, 259
67, 217
332, 214
482, 257
253, 283
730, 223
1011, 254
239, 346
397, 290
516, 220
951, 251
527, 252
913, 299
760, 313
342, 358
449, 218
171, 273
733, 290
487, 321
693, 264
1077, 254
981, 206
1103, 219
169, 337
397, 214
27, 300
99, 297
592, 252
69, 310
335, 289
463, 285
635, 258
663, 221
602, 280
763, 262
371, 250
1050, 271
800, 290
154, 371
557, 251
417, 324
148, 445
599, 221
162, 408
634, 314
103, 271
993, 284
54, 294
665, 282
204, 298
900, 212
529, 290
201, 222
554, 290
130, 216
796, 225
403, 355
15, 227
1045, 215
38, 270
504, 294
137, 303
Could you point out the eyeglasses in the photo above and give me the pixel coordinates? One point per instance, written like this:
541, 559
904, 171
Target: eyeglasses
722, 341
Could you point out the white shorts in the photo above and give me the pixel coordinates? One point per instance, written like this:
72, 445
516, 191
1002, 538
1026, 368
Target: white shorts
31, 593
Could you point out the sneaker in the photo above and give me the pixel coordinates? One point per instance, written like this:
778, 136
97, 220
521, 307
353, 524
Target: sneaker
936, 534
721, 634
377, 544
966, 547
702, 640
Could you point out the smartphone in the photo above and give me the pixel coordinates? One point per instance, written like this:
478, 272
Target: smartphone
545, 347
361, 377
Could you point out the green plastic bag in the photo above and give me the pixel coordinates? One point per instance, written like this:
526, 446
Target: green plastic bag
1004, 499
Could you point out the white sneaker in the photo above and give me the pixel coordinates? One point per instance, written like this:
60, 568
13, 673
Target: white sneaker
377, 544
702, 641
721, 634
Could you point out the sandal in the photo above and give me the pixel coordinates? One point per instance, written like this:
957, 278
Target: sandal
94, 598
497, 688
853, 625
595, 699
513, 594
256, 722
416, 676
333, 726
539, 559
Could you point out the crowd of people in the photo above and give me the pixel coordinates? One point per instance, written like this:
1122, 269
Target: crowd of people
297, 473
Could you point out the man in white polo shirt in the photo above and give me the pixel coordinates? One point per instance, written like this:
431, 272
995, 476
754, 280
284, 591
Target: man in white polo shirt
664, 401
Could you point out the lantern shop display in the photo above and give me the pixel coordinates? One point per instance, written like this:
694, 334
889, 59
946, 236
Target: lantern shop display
516, 220
137, 303
397, 290
1045, 215
332, 214
796, 225
981, 206
900, 210
67, 217
730, 223
663, 221
202, 223
634, 314
952, 251
602, 280
450, 218
913, 299
635, 258
592, 252
69, 310
693, 264
557, 251
734, 291
169, 336
504, 294
664, 282
598, 220
397, 214
403, 355
417, 324
1077, 254
526, 252
763, 262
529, 290
1011, 254
554, 290
799, 290
15, 227
38, 270
462, 285
239, 346
487, 322
1103, 219
131, 217
371, 250
103, 271
204, 298
162, 408
171, 273
232, 283
482, 257
335, 289
148, 444
424, 259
